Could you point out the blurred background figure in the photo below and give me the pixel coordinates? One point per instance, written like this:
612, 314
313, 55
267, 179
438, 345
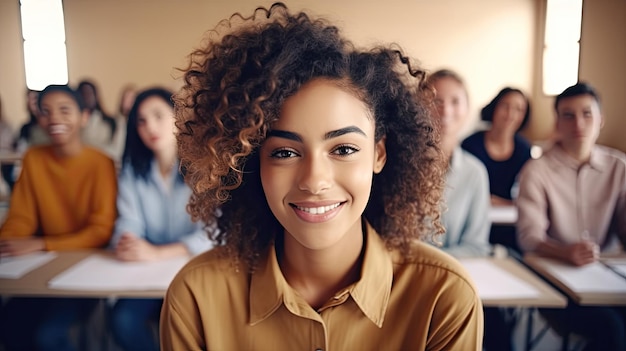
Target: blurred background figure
31, 134
101, 127
7, 145
503, 151
466, 193
153, 222
501, 148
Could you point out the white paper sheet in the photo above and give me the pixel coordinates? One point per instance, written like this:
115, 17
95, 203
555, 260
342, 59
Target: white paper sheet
619, 268
17, 266
495, 283
594, 277
503, 214
101, 272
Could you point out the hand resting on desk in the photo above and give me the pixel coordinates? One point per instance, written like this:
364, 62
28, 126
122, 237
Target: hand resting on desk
131, 247
21, 246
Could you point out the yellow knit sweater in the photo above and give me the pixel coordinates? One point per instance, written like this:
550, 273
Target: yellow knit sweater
69, 201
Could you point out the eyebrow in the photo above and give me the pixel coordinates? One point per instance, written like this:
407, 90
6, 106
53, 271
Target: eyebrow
332, 134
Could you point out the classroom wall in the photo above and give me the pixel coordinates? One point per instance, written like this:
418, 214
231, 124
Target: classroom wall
115, 42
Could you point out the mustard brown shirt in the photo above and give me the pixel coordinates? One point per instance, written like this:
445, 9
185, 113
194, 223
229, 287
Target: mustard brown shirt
426, 303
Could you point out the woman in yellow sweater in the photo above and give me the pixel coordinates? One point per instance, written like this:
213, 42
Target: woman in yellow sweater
64, 199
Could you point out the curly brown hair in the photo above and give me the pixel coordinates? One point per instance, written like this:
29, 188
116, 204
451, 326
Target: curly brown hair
234, 88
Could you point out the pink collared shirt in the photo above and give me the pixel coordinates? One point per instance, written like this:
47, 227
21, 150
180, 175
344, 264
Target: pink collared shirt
568, 202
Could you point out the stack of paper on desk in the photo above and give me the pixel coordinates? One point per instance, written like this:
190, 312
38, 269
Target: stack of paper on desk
100, 272
493, 282
16, 267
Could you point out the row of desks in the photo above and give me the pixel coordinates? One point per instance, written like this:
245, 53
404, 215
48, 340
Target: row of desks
500, 281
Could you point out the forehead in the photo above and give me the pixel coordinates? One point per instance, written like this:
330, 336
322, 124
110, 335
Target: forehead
58, 98
448, 85
513, 96
153, 102
577, 101
323, 105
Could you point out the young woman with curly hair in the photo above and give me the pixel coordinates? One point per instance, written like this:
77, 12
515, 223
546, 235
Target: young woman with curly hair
320, 166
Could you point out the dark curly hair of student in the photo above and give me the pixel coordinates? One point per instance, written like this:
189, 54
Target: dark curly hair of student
486, 114
234, 89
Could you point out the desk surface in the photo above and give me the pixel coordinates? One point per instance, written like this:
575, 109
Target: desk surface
593, 284
10, 157
505, 282
503, 215
36, 282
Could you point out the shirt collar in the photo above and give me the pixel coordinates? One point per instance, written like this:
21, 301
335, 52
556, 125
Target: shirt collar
597, 160
269, 289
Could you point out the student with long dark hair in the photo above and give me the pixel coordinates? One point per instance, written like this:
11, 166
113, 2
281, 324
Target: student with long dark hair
153, 223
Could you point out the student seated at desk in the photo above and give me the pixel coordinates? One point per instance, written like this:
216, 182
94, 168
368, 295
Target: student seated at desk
324, 163
466, 195
64, 199
572, 205
153, 222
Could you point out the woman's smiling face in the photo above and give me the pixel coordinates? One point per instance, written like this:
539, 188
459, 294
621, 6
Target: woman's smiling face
317, 164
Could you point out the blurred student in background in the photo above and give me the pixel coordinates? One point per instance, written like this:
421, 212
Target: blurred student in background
153, 222
31, 134
101, 128
503, 152
466, 208
501, 148
466, 194
64, 199
572, 206
7, 145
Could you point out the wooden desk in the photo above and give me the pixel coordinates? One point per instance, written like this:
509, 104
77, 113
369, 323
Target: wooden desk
35, 283
10, 157
520, 287
593, 284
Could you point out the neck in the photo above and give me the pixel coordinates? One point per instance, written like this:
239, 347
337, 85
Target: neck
580, 153
68, 150
166, 160
319, 274
499, 136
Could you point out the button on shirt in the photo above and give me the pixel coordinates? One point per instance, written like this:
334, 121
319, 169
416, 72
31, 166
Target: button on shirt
426, 303
568, 202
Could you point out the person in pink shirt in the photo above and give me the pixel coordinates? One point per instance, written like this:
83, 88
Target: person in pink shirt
572, 206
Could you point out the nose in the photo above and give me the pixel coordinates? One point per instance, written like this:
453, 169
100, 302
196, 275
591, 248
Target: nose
316, 174
579, 122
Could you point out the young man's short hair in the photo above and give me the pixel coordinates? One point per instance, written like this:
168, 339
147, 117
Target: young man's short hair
580, 88
63, 89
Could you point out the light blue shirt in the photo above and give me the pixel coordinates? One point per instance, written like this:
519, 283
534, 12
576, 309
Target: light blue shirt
148, 209
466, 196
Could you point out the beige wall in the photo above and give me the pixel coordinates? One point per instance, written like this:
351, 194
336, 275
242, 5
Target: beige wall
115, 42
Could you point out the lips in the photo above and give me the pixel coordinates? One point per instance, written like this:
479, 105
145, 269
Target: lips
317, 212
57, 129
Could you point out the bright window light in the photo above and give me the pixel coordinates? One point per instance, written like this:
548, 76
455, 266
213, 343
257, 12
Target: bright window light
45, 54
561, 45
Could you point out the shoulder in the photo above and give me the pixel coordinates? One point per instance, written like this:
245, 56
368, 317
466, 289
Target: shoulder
212, 269
95, 156
474, 139
35, 154
473, 164
432, 264
611, 155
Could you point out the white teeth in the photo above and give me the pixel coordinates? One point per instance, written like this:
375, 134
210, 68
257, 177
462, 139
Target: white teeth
57, 129
318, 210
